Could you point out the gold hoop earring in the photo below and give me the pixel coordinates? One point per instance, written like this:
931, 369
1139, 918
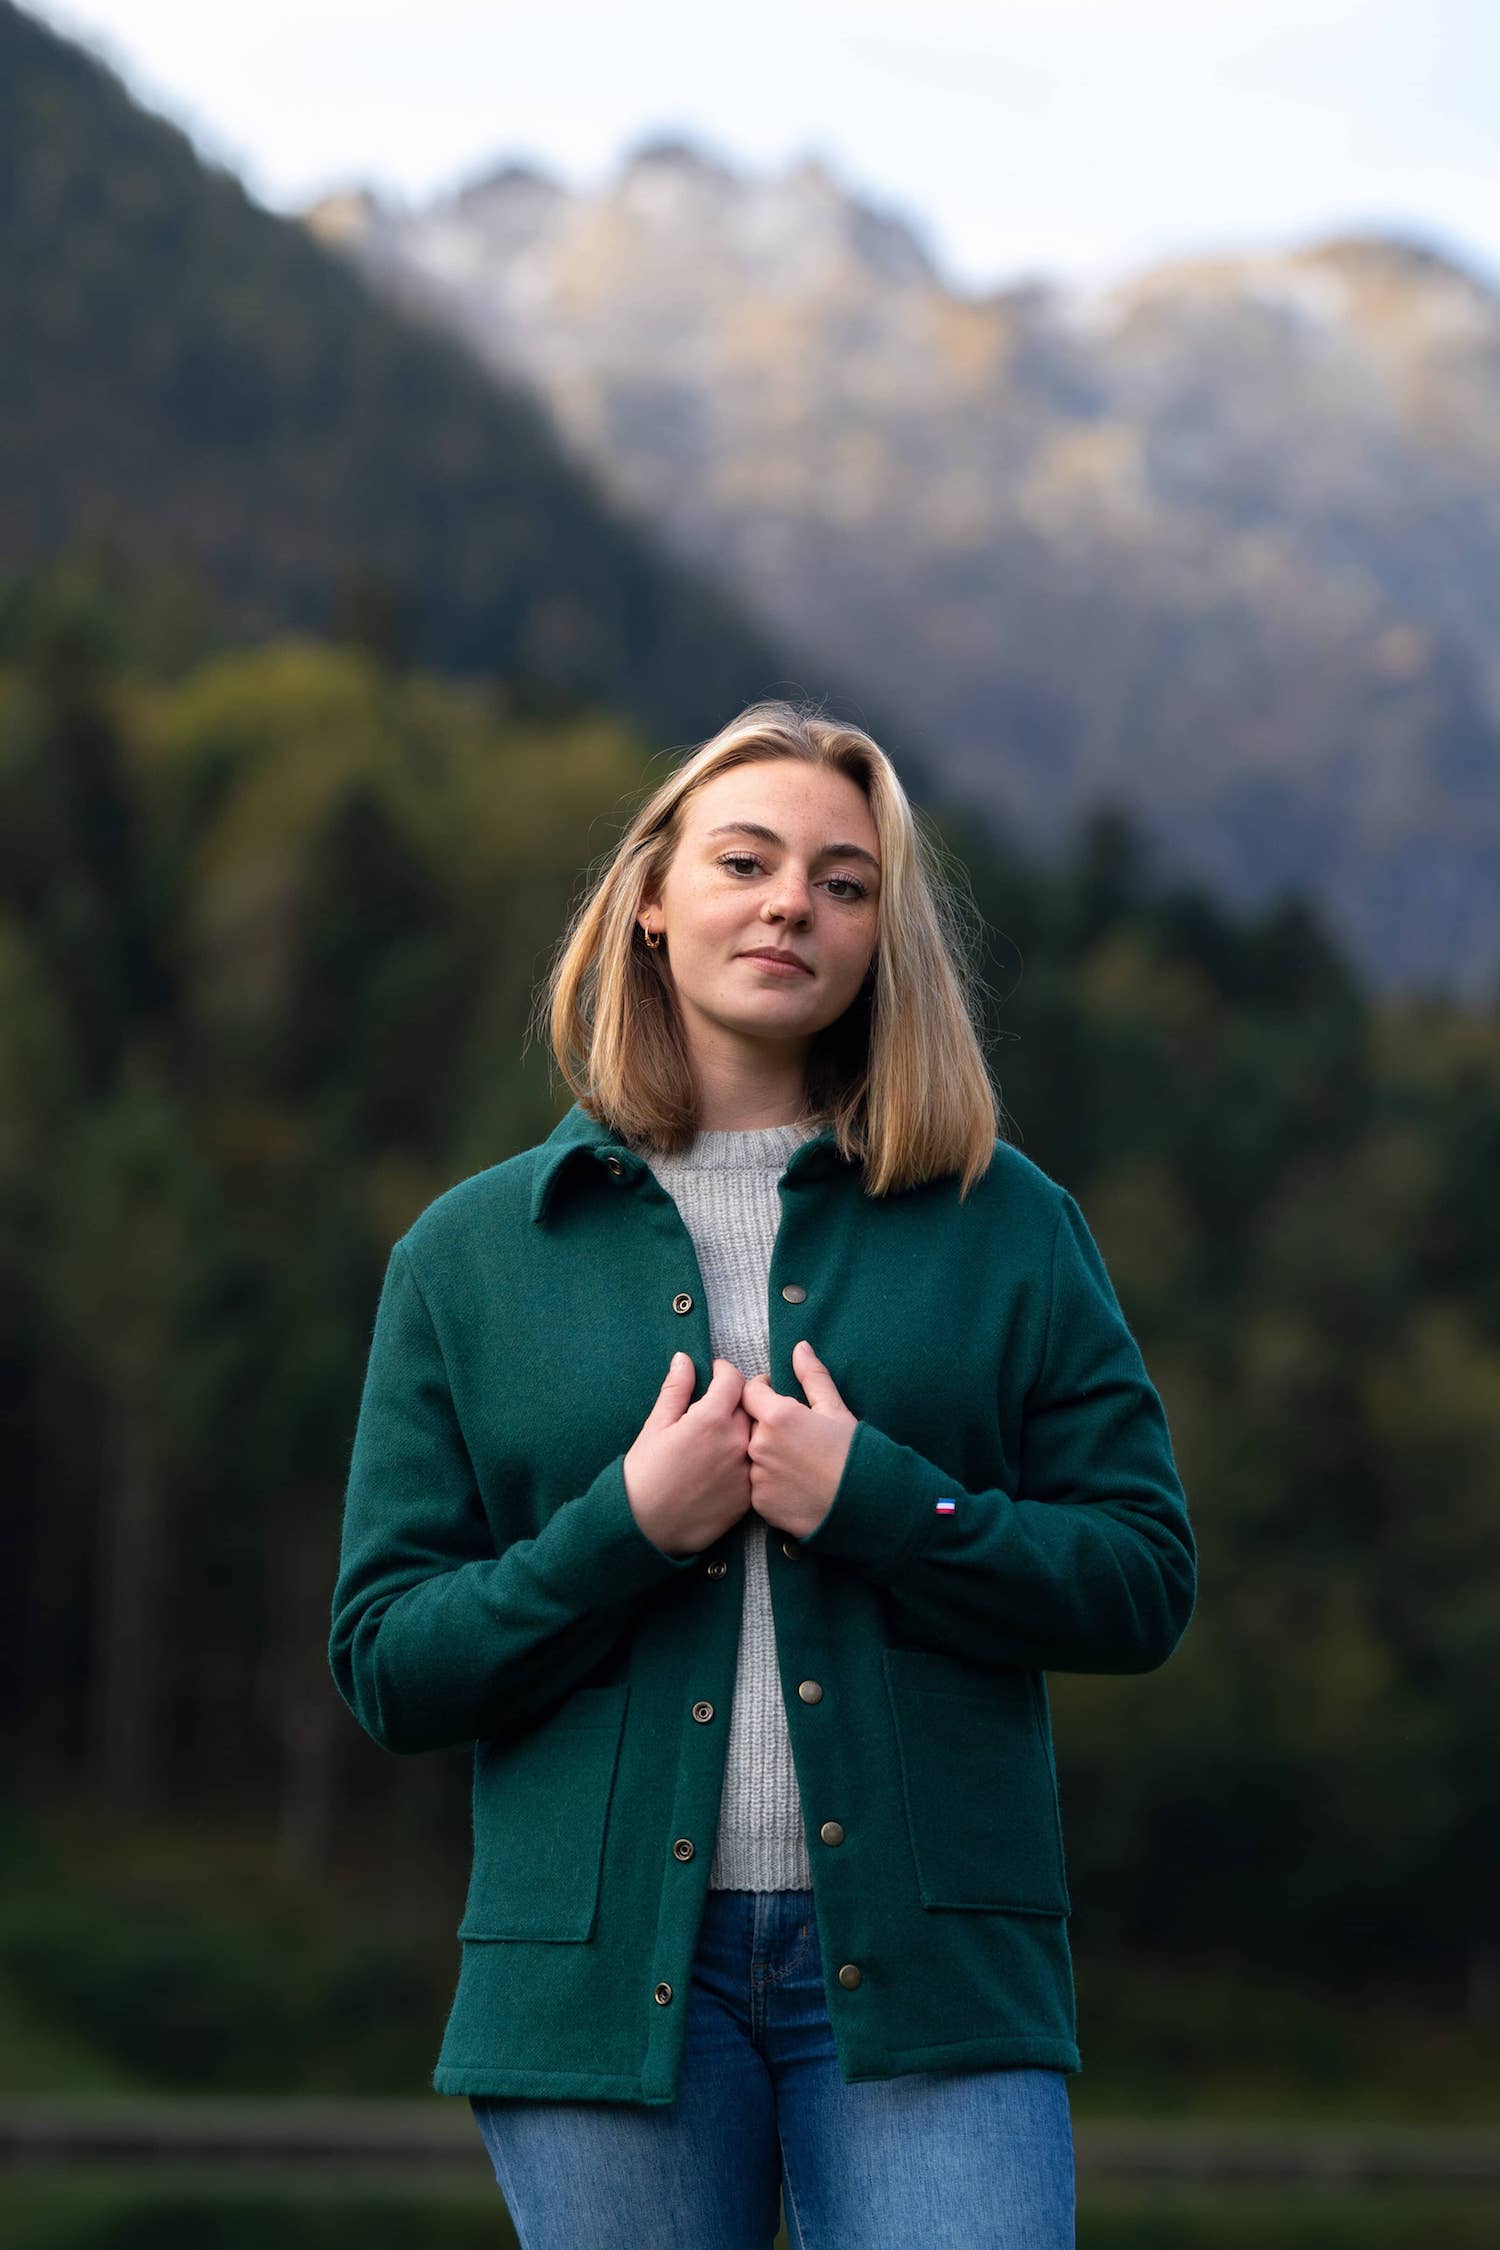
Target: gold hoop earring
653, 942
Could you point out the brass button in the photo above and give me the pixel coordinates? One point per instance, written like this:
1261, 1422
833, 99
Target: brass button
832, 1832
809, 1691
850, 1975
716, 1568
663, 1991
703, 1712
682, 1302
793, 1292
683, 1848
792, 1549
613, 1164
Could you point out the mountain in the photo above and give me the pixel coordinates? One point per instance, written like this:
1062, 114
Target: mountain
198, 379
1221, 541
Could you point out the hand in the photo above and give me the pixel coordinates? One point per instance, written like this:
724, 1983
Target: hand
797, 1452
687, 1476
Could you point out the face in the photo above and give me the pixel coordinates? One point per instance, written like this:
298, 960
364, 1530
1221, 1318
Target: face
779, 855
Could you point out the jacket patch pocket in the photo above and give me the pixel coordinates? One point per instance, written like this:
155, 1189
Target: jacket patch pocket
979, 1784
540, 1809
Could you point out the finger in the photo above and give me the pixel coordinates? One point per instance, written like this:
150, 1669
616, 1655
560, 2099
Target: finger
758, 1394
676, 1389
817, 1383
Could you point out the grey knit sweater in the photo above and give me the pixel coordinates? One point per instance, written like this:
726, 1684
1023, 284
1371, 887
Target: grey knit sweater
724, 1185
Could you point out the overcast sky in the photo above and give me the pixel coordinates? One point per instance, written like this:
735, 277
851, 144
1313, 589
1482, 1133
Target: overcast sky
1079, 138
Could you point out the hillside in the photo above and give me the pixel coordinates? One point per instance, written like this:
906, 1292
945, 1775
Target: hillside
200, 378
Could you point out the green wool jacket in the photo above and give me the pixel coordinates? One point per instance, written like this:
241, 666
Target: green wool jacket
494, 1588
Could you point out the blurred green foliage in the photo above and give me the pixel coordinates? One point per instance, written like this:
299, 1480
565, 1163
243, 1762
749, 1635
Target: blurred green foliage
272, 922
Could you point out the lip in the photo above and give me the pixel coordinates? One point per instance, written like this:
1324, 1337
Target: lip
787, 964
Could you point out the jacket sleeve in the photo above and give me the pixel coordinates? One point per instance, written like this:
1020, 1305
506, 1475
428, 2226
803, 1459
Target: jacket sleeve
1090, 1565
437, 1639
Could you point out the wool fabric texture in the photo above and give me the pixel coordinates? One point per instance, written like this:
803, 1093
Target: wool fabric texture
724, 1184
1009, 1505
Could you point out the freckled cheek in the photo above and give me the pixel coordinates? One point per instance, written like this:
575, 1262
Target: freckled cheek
708, 916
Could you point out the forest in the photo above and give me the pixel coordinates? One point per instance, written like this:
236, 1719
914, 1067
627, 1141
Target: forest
273, 923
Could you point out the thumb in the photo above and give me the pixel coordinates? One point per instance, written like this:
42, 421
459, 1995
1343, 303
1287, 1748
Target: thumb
676, 1390
818, 1385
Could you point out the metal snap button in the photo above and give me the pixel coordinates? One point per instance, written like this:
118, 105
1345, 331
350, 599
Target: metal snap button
793, 1292
809, 1691
682, 1302
703, 1712
832, 1832
716, 1568
850, 1975
683, 1848
613, 1164
792, 1550
663, 1992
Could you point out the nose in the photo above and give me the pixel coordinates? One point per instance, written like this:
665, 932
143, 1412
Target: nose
791, 897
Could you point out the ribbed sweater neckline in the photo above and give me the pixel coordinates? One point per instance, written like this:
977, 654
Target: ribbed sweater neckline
750, 1149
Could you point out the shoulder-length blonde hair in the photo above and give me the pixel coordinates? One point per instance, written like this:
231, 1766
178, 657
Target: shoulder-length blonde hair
901, 1075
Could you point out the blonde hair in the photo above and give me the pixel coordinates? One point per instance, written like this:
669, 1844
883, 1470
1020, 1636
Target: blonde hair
901, 1075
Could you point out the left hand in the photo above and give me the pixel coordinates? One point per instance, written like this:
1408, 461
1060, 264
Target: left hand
797, 1453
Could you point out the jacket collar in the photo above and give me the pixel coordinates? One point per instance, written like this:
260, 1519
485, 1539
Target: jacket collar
579, 1138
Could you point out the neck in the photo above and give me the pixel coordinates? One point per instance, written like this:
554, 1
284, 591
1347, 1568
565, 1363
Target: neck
745, 1081
750, 1118
739, 1101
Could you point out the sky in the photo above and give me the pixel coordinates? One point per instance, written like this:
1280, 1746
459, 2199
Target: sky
1073, 139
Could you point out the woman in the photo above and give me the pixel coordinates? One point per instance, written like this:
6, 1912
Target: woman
730, 1468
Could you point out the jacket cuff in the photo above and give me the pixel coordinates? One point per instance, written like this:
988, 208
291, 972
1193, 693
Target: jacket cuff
592, 1554
882, 1509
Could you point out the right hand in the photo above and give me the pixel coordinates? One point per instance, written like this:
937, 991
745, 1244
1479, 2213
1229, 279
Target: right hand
687, 1476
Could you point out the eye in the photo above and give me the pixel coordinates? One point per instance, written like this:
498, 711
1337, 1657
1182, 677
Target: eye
854, 888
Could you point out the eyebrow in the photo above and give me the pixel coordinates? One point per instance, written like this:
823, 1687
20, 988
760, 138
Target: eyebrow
769, 836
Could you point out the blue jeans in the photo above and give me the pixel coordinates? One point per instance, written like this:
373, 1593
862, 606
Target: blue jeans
953, 2160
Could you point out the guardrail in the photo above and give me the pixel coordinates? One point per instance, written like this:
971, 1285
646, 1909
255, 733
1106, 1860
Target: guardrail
199, 2130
